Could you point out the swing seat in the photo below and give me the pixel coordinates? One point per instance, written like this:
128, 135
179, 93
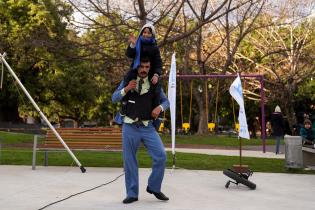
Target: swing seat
186, 127
211, 126
237, 127
161, 128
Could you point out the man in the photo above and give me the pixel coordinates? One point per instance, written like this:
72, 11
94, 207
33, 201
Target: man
140, 110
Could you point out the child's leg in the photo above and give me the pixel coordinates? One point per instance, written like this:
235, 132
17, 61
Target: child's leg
131, 74
157, 92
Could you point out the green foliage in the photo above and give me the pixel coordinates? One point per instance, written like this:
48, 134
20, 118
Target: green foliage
46, 57
307, 90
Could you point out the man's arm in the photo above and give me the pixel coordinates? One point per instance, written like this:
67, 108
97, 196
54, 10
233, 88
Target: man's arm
164, 101
121, 91
162, 107
131, 51
117, 96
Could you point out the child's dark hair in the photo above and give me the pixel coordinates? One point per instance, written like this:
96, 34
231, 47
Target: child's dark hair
150, 29
144, 59
307, 121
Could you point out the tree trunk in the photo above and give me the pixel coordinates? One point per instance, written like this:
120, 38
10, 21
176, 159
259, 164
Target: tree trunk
203, 118
287, 99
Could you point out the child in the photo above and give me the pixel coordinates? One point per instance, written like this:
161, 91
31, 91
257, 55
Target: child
146, 46
307, 133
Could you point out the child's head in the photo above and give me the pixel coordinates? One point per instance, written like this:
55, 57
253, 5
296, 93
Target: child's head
147, 31
307, 123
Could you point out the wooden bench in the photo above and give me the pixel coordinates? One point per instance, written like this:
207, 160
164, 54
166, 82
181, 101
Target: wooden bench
83, 139
308, 156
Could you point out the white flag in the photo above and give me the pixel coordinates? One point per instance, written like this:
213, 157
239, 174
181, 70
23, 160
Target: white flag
236, 92
172, 98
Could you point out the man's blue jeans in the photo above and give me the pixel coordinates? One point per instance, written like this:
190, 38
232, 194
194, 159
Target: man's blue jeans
132, 136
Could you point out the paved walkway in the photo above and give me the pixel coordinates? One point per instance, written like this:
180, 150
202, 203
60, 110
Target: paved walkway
24, 189
247, 151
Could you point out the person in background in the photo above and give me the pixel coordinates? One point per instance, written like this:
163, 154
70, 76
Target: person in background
307, 133
277, 126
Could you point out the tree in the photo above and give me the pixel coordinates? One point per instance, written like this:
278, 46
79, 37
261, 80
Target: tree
282, 52
180, 21
46, 56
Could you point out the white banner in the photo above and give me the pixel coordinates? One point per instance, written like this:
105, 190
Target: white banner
172, 98
236, 92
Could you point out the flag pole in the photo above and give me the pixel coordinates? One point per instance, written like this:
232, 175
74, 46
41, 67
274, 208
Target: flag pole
83, 170
237, 93
240, 140
172, 99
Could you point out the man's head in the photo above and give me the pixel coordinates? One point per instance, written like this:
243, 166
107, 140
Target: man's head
144, 67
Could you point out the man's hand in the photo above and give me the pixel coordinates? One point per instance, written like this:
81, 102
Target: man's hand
156, 112
131, 85
132, 39
154, 79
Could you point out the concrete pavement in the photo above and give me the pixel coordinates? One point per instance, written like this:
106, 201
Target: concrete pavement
24, 189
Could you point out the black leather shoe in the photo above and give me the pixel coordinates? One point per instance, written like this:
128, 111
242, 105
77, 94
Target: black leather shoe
158, 195
130, 200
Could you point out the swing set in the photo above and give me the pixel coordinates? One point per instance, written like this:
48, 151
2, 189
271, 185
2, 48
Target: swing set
186, 126
211, 125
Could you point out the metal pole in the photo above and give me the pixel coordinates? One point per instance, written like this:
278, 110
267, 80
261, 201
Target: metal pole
34, 152
262, 104
41, 114
1, 82
206, 76
240, 141
174, 161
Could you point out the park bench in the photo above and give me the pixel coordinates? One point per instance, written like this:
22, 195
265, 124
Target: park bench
308, 156
79, 139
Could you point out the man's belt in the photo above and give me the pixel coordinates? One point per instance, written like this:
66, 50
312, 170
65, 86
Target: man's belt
138, 123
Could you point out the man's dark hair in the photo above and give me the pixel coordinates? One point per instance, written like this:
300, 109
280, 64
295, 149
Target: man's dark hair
144, 59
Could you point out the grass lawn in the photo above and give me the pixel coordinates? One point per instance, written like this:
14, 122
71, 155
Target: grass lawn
218, 140
114, 159
9, 155
15, 138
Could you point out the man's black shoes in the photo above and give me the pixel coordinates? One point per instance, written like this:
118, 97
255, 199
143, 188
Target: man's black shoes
129, 200
158, 195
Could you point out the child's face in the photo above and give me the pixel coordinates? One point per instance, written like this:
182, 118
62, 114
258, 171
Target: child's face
146, 33
307, 125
